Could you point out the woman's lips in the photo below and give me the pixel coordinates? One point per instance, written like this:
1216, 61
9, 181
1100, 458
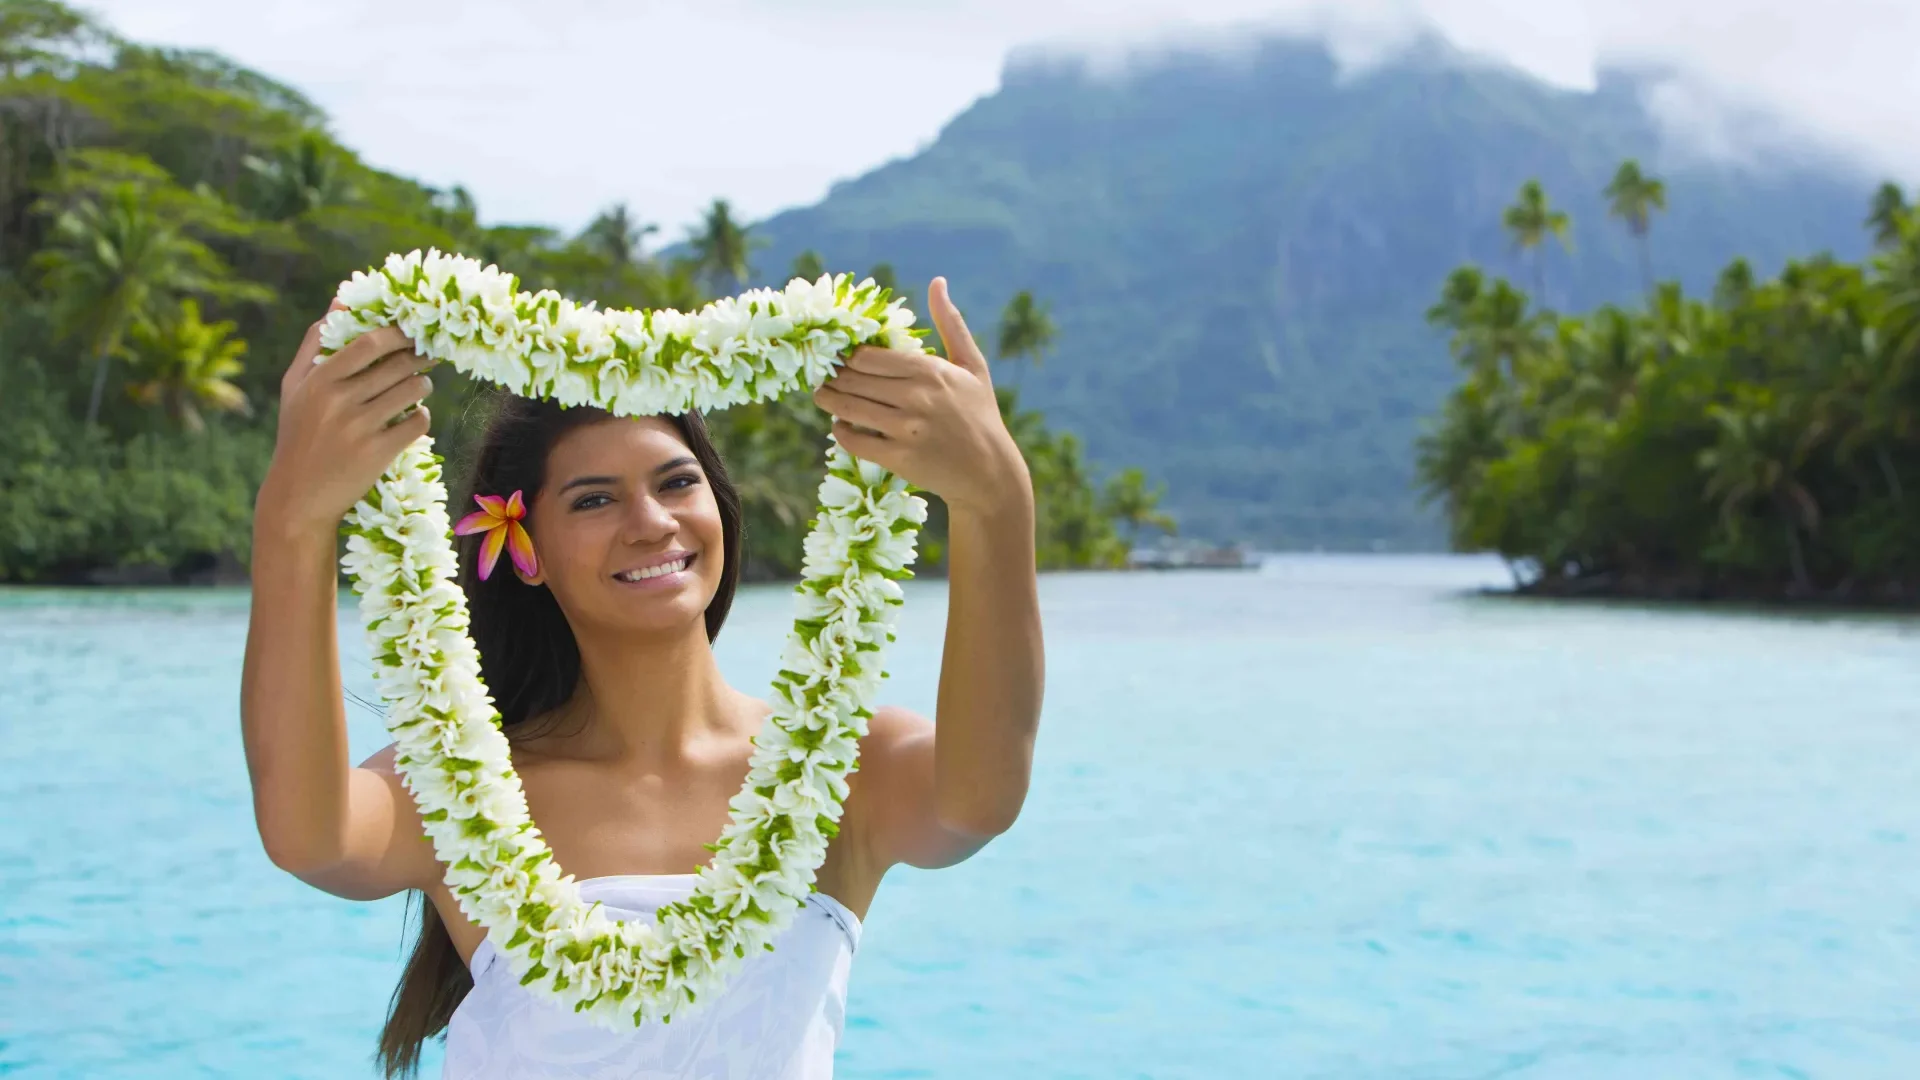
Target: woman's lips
659, 574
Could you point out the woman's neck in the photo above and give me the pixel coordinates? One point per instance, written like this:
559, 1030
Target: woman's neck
651, 698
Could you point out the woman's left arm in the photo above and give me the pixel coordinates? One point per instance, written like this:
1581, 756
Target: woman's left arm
933, 794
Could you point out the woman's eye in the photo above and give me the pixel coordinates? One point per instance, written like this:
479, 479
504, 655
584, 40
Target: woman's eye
684, 480
588, 502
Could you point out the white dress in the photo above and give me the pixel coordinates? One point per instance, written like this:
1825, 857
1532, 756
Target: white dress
779, 1017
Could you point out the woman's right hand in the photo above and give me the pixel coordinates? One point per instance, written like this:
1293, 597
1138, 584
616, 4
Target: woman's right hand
341, 426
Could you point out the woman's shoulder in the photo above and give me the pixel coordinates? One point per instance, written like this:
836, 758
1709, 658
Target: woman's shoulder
893, 729
896, 762
381, 760
409, 838
897, 720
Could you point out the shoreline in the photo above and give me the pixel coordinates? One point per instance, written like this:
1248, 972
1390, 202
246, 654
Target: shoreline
1893, 598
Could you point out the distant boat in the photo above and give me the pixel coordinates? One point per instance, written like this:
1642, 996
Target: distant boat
1192, 557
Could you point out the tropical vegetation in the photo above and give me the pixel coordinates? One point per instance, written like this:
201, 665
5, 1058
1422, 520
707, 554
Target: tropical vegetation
1759, 443
171, 222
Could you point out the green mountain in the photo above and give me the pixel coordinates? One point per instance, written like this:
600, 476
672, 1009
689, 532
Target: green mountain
1239, 255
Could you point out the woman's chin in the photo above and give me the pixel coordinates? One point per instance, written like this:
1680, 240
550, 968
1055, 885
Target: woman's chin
652, 608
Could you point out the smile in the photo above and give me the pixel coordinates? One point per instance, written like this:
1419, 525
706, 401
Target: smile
658, 570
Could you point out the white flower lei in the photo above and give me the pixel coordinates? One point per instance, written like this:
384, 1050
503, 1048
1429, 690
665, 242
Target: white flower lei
452, 754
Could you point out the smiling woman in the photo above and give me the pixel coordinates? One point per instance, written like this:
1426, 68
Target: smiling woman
529, 656
621, 738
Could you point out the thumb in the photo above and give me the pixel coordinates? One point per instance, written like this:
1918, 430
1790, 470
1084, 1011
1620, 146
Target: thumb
960, 346
303, 364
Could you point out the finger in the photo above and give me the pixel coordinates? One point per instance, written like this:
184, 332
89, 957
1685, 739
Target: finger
404, 430
409, 391
886, 363
365, 351
959, 344
862, 411
895, 393
873, 448
391, 370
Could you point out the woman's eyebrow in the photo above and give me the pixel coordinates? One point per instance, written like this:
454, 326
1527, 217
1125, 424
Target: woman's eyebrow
585, 481
588, 481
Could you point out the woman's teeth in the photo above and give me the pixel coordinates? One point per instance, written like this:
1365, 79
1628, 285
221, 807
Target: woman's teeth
654, 571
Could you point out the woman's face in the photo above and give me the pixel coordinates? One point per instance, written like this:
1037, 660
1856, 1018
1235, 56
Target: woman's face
626, 529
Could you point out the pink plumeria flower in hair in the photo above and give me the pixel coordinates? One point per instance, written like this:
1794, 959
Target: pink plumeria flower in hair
500, 519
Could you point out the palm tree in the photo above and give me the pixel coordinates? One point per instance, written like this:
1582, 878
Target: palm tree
109, 265
1452, 454
1899, 344
1744, 465
616, 235
1500, 329
1025, 330
809, 265
298, 181
721, 249
1131, 502
1674, 323
1863, 402
1889, 207
1633, 197
189, 364
1457, 298
1491, 326
1532, 221
1734, 286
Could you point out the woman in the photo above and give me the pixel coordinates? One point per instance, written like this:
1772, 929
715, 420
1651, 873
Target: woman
597, 650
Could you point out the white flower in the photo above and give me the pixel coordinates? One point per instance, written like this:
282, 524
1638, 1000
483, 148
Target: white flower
338, 329
871, 475
573, 386
837, 493
893, 551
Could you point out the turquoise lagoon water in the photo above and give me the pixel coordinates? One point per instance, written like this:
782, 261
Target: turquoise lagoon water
1335, 819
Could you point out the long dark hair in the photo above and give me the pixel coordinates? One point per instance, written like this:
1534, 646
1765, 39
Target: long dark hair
531, 665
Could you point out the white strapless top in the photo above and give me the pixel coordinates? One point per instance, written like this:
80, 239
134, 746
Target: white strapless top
778, 1018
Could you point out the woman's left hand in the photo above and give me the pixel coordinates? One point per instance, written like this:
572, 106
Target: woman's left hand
935, 422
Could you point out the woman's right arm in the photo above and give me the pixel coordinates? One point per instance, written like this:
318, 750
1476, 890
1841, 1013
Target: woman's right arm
351, 831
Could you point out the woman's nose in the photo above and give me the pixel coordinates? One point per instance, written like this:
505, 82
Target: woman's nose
649, 522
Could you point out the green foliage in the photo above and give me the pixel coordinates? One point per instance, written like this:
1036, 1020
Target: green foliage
1131, 501
1073, 528
115, 256
615, 235
1766, 444
1026, 330
75, 501
170, 225
808, 265
1532, 221
1889, 209
722, 250
1634, 197
186, 365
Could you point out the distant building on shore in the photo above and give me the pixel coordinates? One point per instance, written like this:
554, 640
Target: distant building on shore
1192, 555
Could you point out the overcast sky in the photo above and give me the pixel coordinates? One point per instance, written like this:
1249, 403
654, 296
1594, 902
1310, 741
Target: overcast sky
773, 100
